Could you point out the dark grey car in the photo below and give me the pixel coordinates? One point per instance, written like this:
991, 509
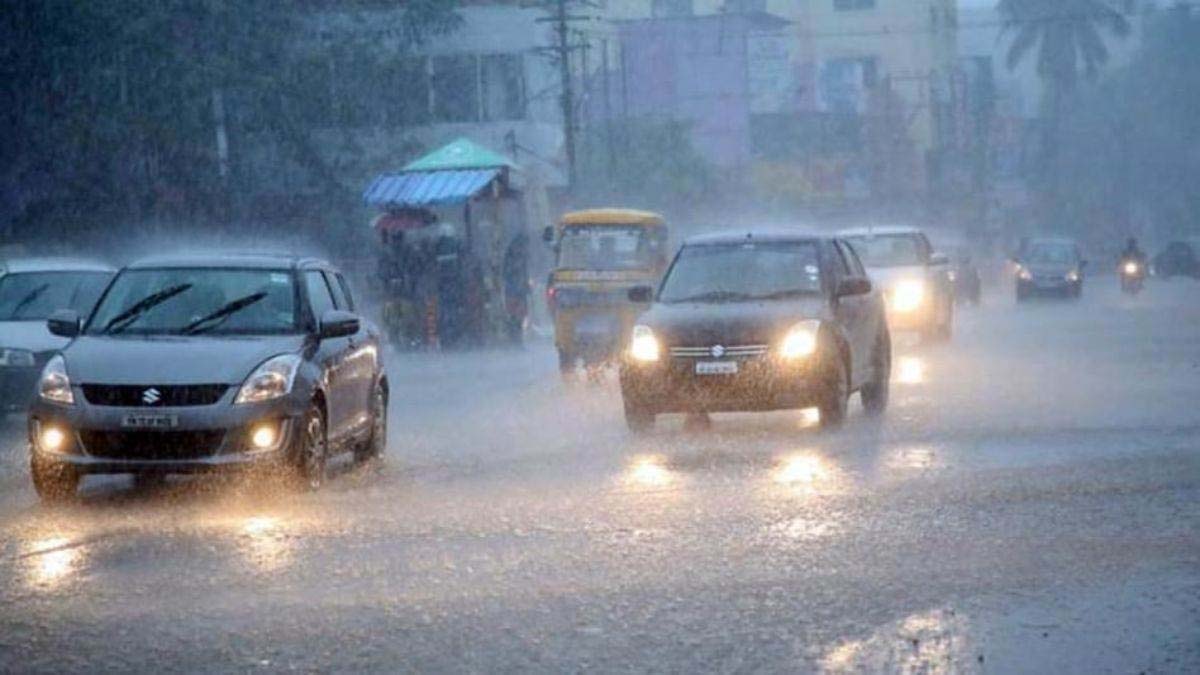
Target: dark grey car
31, 289
756, 322
199, 364
1050, 266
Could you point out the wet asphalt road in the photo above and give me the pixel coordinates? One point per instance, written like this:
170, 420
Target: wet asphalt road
1031, 503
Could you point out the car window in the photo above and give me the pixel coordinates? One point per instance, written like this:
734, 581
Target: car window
320, 300
345, 286
856, 265
34, 296
844, 267
339, 292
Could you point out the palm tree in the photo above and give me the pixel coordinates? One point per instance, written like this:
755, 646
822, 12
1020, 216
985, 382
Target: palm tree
1067, 37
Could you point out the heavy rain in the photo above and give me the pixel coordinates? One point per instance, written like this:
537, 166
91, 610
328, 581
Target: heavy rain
600, 335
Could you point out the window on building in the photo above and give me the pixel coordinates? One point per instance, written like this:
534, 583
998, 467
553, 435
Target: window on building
851, 5
455, 88
503, 95
665, 8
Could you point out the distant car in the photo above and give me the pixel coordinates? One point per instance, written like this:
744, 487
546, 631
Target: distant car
914, 279
1179, 259
210, 363
758, 321
31, 290
1050, 266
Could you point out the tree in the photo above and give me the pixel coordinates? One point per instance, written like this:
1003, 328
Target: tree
1068, 38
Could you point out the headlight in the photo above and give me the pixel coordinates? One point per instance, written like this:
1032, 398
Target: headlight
17, 358
908, 295
1131, 268
643, 346
801, 340
54, 385
1024, 274
1073, 276
270, 380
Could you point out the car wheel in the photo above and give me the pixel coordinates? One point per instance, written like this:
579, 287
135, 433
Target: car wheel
638, 418
834, 394
875, 393
566, 364
312, 451
376, 444
54, 482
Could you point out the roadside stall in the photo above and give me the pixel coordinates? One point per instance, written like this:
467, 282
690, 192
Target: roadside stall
452, 263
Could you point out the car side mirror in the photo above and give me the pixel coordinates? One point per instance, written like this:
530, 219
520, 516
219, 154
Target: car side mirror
64, 323
335, 323
548, 234
939, 259
853, 286
641, 294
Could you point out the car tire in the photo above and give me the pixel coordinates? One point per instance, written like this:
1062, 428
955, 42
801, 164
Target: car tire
311, 451
638, 417
54, 482
835, 393
875, 394
376, 444
567, 365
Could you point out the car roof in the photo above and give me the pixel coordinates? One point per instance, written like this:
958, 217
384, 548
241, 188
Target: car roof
760, 235
242, 260
878, 231
53, 264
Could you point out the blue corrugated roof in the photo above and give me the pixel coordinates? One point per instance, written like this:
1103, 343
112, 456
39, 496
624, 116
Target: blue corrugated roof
427, 188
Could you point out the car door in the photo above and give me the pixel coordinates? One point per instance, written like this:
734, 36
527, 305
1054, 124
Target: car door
362, 359
852, 311
331, 357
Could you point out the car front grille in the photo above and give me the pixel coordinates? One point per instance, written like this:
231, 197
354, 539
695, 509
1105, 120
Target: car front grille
152, 445
715, 352
153, 395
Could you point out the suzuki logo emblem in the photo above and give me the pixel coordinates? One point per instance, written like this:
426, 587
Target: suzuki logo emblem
717, 351
151, 396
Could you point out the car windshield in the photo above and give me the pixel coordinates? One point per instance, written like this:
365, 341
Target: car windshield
34, 296
743, 271
605, 247
888, 250
1051, 254
196, 300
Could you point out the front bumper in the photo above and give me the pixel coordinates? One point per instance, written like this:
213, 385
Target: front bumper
1047, 285
762, 383
206, 438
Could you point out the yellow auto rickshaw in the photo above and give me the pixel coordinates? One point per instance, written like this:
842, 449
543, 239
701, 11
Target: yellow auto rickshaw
600, 255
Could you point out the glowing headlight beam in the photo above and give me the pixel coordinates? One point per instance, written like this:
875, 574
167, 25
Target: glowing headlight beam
801, 340
643, 345
908, 295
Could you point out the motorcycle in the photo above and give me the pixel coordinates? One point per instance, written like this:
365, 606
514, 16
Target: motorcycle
1133, 276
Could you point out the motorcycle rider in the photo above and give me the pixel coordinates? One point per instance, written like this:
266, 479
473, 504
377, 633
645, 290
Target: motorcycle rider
1133, 254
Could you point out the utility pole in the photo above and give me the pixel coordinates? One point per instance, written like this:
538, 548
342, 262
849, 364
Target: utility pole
562, 51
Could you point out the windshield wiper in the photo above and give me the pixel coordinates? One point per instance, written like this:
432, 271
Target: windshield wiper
787, 293
29, 297
123, 320
221, 314
713, 296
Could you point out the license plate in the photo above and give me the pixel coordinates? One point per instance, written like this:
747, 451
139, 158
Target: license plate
143, 421
716, 368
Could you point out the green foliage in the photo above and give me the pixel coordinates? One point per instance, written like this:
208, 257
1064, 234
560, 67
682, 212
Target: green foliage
1067, 35
113, 108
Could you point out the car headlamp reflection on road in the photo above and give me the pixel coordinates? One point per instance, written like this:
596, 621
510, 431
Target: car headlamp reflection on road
908, 295
644, 345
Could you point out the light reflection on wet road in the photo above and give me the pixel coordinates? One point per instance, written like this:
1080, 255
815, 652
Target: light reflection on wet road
1034, 493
